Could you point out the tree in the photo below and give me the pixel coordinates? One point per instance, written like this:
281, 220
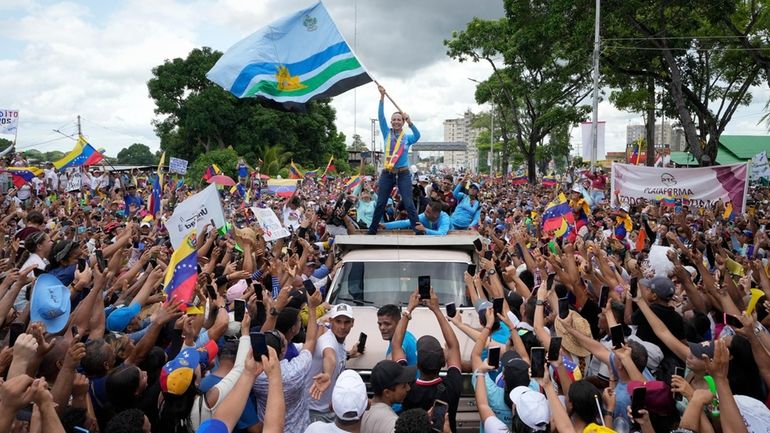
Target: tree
136, 154
542, 78
197, 116
4, 144
358, 144
225, 159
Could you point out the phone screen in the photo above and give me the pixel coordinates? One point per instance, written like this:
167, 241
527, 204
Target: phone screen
563, 308
616, 333
423, 284
258, 345
554, 348
537, 356
497, 305
637, 401
549, 281
16, 330
440, 409
309, 287
634, 287
472, 269
100, 260
451, 309
477, 243
493, 358
361, 343
211, 292
81, 265
733, 321
605, 293
240, 309
488, 254
258, 289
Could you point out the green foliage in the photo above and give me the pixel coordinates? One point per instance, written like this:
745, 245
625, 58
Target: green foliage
136, 154
198, 116
274, 158
5, 143
370, 170
358, 144
39, 156
225, 159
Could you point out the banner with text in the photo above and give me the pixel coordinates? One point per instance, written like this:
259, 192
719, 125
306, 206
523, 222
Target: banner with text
9, 121
176, 165
270, 224
194, 213
699, 187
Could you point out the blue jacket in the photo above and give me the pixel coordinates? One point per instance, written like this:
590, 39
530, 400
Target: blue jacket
408, 140
440, 227
465, 214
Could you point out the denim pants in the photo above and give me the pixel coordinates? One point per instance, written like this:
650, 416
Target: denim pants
387, 181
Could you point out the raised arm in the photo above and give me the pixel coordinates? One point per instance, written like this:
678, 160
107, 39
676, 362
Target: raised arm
680, 349
452, 345
396, 344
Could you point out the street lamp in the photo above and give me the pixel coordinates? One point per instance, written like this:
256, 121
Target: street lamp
491, 158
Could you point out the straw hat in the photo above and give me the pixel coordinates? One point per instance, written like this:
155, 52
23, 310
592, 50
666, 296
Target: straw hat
569, 342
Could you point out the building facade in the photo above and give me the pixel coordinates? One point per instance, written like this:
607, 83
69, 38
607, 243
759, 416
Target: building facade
664, 134
460, 130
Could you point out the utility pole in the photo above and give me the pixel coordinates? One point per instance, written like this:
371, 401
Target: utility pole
492, 138
595, 115
80, 132
373, 133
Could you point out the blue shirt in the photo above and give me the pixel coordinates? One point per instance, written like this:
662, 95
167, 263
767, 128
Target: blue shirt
440, 227
407, 141
136, 200
410, 349
465, 214
622, 396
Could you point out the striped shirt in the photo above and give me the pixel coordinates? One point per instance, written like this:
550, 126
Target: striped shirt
294, 377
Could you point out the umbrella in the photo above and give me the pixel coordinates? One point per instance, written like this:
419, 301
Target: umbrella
221, 179
264, 177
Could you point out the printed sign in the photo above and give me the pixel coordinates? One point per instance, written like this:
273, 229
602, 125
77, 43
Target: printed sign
194, 213
9, 121
270, 223
176, 165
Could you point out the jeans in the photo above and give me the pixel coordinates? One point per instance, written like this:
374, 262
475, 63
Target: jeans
387, 181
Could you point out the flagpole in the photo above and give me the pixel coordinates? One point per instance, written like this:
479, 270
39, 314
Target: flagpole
391, 99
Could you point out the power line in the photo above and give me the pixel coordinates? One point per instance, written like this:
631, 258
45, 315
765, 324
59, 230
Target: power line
629, 47
676, 38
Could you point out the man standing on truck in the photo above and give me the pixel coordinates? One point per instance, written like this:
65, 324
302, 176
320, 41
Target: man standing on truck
396, 171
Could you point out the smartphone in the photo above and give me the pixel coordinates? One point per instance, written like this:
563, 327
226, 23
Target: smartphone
497, 305
477, 243
537, 357
678, 371
637, 401
74, 330
633, 287
488, 254
563, 308
423, 285
309, 287
258, 345
100, 260
616, 333
549, 281
493, 357
258, 289
440, 409
603, 296
211, 292
240, 309
361, 343
451, 309
153, 262
733, 321
472, 269
16, 330
37, 272
81, 264
554, 349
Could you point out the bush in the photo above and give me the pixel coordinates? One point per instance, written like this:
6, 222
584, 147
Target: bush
226, 159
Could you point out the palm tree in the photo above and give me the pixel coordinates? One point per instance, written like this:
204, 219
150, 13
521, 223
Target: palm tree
274, 158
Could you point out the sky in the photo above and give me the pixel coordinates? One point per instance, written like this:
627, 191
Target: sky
93, 58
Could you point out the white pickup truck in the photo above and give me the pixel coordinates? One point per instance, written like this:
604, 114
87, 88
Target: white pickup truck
383, 269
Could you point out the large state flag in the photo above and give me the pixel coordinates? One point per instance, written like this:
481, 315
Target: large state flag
291, 62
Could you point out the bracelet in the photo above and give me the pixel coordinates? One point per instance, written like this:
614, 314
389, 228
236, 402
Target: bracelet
539, 303
407, 314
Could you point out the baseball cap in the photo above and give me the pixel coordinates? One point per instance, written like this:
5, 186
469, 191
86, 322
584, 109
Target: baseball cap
625, 207
120, 318
236, 290
430, 354
515, 370
702, 348
342, 310
177, 375
661, 286
212, 425
531, 407
50, 303
387, 374
658, 399
349, 399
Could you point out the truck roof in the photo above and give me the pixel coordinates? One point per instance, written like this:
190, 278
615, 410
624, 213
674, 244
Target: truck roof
406, 239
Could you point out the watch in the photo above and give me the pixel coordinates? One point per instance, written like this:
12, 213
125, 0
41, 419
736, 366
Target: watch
492, 271
274, 312
539, 302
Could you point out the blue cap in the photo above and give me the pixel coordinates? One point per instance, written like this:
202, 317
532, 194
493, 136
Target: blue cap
120, 318
50, 303
212, 425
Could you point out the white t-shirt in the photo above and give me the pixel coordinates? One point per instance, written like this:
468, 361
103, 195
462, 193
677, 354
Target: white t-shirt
494, 425
51, 178
324, 427
327, 340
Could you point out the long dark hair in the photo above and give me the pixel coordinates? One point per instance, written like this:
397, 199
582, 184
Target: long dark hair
582, 395
743, 370
174, 412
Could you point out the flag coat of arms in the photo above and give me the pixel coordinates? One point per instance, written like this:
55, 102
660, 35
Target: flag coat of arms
291, 62
83, 154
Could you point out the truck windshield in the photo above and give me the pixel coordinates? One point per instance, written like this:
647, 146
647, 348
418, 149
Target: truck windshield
381, 283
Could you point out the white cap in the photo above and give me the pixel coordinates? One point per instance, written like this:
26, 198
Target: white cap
531, 407
342, 310
625, 207
576, 188
349, 399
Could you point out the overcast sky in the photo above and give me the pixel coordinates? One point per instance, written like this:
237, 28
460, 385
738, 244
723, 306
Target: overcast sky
94, 57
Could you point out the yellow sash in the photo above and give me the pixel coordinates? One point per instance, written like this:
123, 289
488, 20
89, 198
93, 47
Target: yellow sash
394, 151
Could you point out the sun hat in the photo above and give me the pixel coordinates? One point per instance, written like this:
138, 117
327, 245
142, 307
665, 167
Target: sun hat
569, 342
50, 303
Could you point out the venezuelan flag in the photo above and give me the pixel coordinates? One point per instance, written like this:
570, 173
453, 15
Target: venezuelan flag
668, 202
155, 197
282, 187
22, 175
238, 190
352, 183
728, 214
520, 180
83, 154
211, 171
623, 226
182, 271
558, 216
549, 181
294, 171
634, 156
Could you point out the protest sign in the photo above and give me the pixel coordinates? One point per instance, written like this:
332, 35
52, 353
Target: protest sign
9, 121
194, 213
759, 166
74, 182
270, 223
700, 187
176, 165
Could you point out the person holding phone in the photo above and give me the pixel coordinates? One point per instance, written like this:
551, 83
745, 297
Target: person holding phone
396, 171
431, 359
390, 384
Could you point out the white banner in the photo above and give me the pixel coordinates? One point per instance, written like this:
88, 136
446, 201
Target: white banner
74, 183
700, 187
759, 166
585, 131
176, 165
270, 223
194, 213
9, 121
